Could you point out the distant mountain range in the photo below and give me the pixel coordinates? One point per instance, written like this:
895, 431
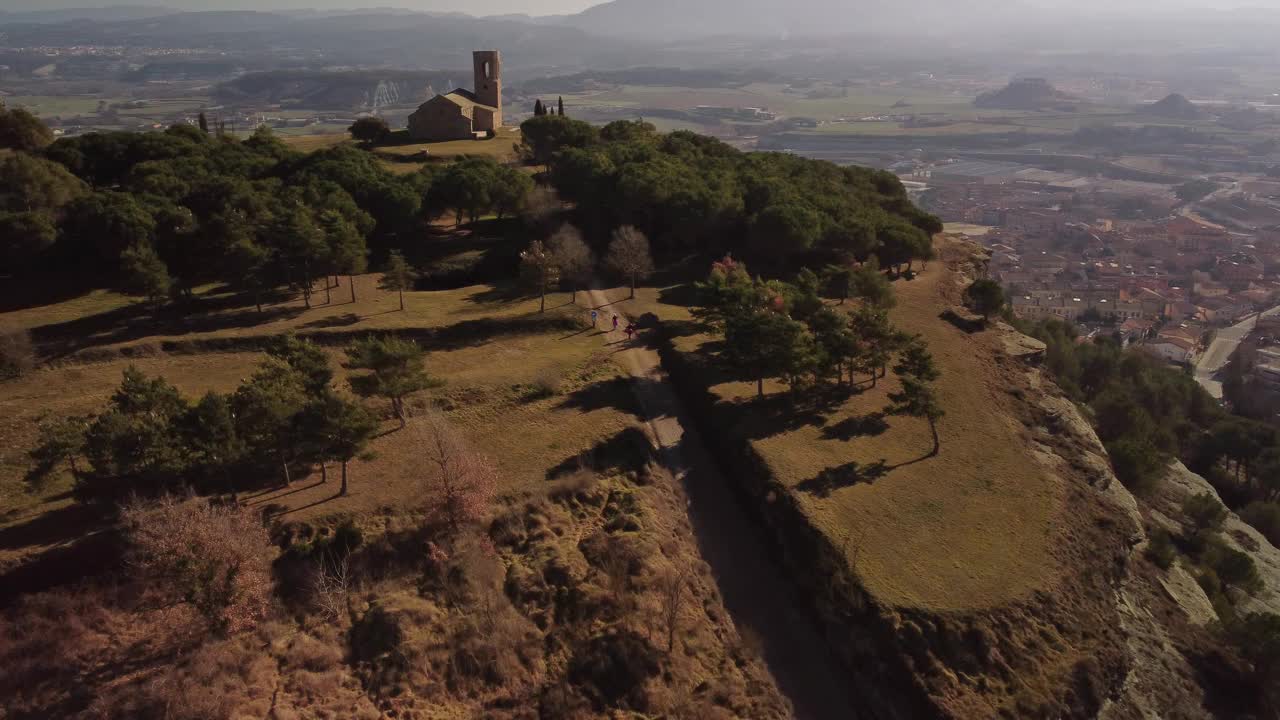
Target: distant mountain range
676, 19
368, 38
623, 33
100, 14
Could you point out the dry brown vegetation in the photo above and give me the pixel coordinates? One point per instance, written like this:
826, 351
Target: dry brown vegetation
933, 533
546, 595
978, 568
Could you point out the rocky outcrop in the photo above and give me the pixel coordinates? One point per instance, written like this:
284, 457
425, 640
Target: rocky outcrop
1166, 505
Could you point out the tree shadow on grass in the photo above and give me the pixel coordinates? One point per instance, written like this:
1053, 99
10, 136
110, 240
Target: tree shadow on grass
345, 320
507, 293
785, 412
828, 481
871, 425
49, 528
616, 393
137, 322
628, 451
268, 510
680, 296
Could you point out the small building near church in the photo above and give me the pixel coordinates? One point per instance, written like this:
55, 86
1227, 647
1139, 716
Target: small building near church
462, 114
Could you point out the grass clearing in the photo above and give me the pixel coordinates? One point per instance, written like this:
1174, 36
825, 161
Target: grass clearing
92, 303
78, 390
500, 148
490, 393
77, 326
489, 381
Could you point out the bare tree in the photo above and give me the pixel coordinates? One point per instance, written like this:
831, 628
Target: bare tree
331, 588
217, 558
671, 587
570, 254
540, 263
541, 208
629, 255
465, 481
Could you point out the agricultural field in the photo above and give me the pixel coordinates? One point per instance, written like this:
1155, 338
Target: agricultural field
58, 105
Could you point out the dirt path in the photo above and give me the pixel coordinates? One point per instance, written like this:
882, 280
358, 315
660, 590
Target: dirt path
756, 591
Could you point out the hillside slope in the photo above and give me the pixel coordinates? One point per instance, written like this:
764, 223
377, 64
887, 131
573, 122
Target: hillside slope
1002, 577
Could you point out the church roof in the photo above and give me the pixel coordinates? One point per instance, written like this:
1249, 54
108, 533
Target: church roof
464, 98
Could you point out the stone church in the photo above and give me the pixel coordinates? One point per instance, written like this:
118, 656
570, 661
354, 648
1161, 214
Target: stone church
460, 114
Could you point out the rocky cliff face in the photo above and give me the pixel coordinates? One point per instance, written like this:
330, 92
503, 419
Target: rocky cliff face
1102, 632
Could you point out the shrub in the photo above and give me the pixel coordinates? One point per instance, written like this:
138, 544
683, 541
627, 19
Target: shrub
1232, 567
1161, 550
378, 633
216, 558
17, 355
613, 669
1265, 518
1137, 463
1258, 638
1204, 511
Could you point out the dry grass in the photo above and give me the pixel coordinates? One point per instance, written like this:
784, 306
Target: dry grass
312, 143
92, 303
486, 393
63, 391
373, 310
968, 529
488, 368
500, 148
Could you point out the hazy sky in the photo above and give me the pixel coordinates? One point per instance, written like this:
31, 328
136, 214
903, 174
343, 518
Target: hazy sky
553, 7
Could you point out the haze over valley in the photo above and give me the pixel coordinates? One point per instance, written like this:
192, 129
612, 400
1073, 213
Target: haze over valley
647, 359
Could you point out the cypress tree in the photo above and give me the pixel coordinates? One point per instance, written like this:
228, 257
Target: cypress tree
561, 104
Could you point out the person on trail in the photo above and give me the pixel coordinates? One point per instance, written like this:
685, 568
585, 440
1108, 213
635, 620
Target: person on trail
631, 330
594, 316
615, 323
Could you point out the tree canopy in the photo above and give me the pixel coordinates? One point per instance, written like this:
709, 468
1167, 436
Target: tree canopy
690, 193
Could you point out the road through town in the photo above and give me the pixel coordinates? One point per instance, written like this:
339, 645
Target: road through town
1224, 344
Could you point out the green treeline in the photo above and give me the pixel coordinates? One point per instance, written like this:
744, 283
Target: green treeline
285, 419
694, 194
1148, 413
158, 214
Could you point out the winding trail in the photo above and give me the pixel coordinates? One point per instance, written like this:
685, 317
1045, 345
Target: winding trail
756, 591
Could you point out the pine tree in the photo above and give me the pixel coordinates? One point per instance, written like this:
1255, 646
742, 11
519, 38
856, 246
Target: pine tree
398, 277
339, 430
395, 370
918, 399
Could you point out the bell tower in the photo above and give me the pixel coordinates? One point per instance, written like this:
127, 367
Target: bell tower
488, 87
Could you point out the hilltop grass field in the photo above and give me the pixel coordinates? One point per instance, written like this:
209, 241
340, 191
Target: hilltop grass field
511, 385
406, 158
968, 529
